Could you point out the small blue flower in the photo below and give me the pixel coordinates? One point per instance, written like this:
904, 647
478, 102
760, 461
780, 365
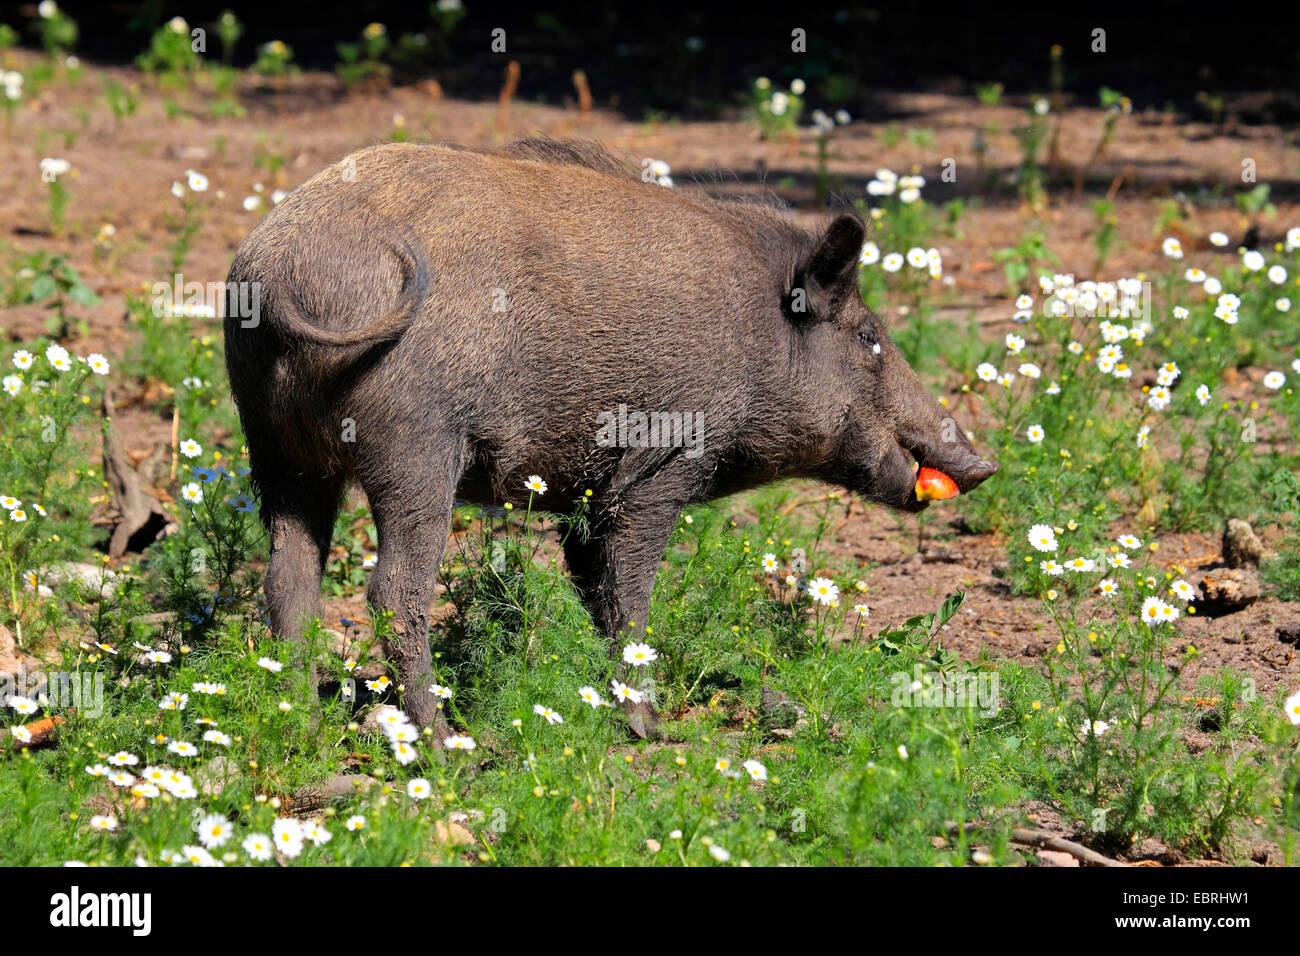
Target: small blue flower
241, 502
205, 475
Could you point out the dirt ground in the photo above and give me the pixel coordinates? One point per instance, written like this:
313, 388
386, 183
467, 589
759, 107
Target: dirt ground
122, 176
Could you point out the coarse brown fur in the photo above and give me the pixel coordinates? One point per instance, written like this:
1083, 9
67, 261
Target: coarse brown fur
442, 322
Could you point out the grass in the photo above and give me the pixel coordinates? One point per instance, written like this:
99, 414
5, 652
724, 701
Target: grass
798, 728
871, 748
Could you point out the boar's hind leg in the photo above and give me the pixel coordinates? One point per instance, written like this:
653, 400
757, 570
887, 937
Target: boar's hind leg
299, 513
614, 573
412, 500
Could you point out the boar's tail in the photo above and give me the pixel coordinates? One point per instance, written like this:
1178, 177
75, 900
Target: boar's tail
415, 287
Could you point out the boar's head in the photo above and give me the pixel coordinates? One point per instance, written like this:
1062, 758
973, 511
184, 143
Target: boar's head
882, 421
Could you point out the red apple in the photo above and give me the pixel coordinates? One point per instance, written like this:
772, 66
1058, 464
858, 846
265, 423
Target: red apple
934, 485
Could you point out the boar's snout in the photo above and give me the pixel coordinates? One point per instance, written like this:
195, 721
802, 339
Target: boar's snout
956, 459
948, 450
977, 474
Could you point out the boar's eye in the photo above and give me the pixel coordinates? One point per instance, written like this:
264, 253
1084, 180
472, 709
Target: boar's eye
868, 339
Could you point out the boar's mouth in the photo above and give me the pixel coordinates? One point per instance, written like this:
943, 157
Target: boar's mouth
895, 481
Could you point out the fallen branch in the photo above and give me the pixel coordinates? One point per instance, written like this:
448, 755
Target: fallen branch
800, 502
1047, 841
126, 483
1043, 840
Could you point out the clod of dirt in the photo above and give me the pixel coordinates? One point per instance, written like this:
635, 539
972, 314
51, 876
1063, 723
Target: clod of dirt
1288, 632
778, 711
341, 786
1227, 590
1154, 849
450, 833
87, 577
1241, 548
12, 658
215, 775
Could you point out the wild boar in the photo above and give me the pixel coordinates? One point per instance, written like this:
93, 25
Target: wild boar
442, 322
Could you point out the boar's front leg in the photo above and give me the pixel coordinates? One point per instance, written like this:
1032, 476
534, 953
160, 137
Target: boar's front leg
614, 573
412, 499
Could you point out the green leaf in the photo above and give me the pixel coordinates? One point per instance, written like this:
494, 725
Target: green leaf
951, 605
82, 294
43, 286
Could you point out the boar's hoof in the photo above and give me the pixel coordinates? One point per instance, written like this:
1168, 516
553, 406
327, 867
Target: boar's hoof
643, 720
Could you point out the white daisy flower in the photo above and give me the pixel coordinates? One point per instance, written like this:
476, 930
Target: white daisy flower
549, 715
286, 834
823, 591
1292, 707
258, 846
214, 830
622, 692
1042, 538
1094, 728
639, 655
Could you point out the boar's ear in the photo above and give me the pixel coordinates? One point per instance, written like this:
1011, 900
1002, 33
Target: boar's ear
823, 278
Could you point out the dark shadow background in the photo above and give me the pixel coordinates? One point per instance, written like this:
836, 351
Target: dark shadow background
695, 60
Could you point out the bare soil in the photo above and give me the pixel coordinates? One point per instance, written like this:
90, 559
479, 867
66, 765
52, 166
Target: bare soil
122, 174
